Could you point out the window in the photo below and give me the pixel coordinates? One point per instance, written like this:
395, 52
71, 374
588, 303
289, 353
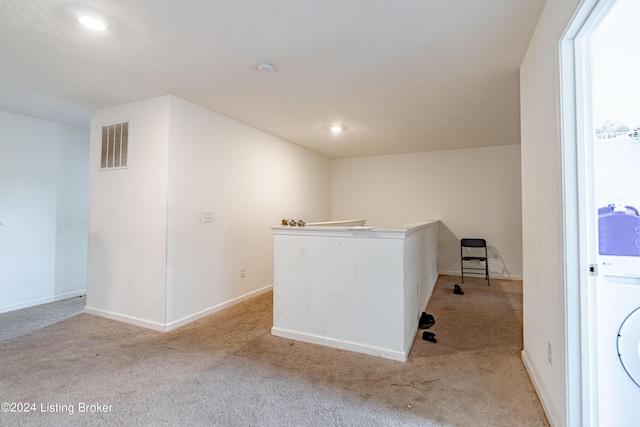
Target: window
115, 146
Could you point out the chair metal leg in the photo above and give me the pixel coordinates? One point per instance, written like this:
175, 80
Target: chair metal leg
486, 268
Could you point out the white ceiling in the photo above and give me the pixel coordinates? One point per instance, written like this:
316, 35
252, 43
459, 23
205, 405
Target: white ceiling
403, 75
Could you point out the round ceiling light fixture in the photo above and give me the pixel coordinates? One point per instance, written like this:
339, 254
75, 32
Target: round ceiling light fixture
266, 67
335, 128
93, 23
338, 128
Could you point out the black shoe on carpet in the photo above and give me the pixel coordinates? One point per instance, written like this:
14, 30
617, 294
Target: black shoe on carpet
457, 290
429, 336
426, 321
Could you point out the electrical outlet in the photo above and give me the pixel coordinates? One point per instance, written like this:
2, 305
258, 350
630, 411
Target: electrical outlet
242, 272
207, 216
549, 352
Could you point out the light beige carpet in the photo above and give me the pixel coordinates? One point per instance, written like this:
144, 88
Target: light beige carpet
227, 370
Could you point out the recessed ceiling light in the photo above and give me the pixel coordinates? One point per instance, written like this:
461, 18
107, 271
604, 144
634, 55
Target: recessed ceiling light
335, 128
93, 23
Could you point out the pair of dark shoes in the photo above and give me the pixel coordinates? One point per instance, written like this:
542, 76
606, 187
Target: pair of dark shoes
457, 290
427, 321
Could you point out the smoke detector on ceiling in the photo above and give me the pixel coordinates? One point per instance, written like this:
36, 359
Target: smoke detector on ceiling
266, 67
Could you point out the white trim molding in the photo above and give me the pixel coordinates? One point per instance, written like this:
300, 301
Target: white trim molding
340, 344
46, 300
166, 327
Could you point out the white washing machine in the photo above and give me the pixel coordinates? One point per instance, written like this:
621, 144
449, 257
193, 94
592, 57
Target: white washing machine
619, 348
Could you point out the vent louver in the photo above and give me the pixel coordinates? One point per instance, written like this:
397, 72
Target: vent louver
115, 146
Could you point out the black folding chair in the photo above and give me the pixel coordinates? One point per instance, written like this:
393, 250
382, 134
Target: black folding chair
474, 250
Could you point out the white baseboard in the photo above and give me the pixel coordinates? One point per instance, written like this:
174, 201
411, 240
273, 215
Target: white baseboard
45, 300
535, 380
144, 323
166, 327
342, 345
206, 312
491, 275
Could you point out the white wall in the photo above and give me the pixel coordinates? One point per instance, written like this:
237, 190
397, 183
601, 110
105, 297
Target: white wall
249, 180
358, 290
542, 230
152, 261
43, 211
420, 277
473, 192
128, 218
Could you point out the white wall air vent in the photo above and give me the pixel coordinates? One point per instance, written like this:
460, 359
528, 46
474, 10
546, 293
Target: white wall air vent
115, 146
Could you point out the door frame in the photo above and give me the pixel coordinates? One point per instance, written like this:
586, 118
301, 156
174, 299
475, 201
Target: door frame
579, 219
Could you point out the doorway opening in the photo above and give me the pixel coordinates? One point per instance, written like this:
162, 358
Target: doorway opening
601, 153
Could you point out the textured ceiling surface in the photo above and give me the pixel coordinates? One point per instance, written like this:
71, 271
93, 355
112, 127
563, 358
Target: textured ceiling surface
404, 76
